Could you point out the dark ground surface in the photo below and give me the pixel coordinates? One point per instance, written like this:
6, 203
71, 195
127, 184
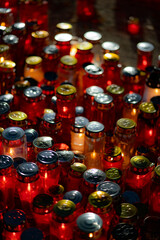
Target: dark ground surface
111, 21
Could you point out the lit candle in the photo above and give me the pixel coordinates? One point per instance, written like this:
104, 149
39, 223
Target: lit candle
4, 49
145, 52
33, 68
78, 134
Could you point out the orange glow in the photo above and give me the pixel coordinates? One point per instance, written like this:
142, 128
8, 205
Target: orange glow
93, 154
3, 24
4, 178
1, 59
29, 187
65, 109
73, 51
144, 62
109, 82
90, 235
134, 111
45, 175
130, 92
63, 226
150, 132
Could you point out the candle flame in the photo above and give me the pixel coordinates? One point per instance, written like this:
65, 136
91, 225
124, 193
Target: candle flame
156, 90
90, 235
3, 24
80, 135
63, 226
29, 187
45, 175
150, 132
65, 109
1, 59
133, 112
73, 51
4, 178
93, 154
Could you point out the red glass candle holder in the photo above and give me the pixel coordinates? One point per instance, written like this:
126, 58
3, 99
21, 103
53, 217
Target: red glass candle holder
13, 42
14, 223
86, 10
84, 53
146, 124
28, 185
40, 39
47, 162
33, 103
150, 228
37, 10
113, 158
63, 220
89, 226
132, 81
7, 188
100, 203
65, 160
67, 70
145, 54
4, 52
57, 192
133, 26
89, 108
63, 43
4, 110
66, 101
75, 176
7, 71
94, 76
105, 111
31, 134
50, 56
117, 92
112, 69
6, 16
154, 203
42, 212
138, 177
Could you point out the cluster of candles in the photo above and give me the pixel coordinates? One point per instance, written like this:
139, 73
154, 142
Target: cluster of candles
79, 136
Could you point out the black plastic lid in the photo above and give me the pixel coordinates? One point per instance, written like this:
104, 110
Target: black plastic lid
51, 49
65, 156
32, 81
43, 201
153, 81
13, 133
124, 231
5, 161
43, 142
47, 157
51, 76
4, 107
130, 197
130, 71
132, 98
28, 169
10, 39
20, 26
79, 110
32, 234
74, 196
31, 134
33, 92
6, 98
14, 220
112, 188
156, 101
94, 176
47, 88
94, 70
18, 160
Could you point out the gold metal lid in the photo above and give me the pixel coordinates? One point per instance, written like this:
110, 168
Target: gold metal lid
113, 174
157, 170
111, 57
66, 89
3, 48
100, 199
17, 116
140, 162
1, 130
147, 107
68, 60
7, 64
78, 167
115, 89
64, 26
33, 60
22, 84
126, 123
64, 208
128, 210
40, 34
84, 46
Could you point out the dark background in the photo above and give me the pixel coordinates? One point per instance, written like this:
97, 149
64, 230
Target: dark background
111, 21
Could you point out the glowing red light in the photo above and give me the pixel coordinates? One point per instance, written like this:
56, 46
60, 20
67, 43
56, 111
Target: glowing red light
150, 132
133, 28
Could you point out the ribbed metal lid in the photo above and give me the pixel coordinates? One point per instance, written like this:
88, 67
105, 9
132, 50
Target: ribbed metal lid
13, 133
5, 161
132, 98
94, 90
92, 36
94, 70
103, 98
112, 188
64, 208
74, 196
145, 46
43, 142
33, 92
65, 156
31, 134
4, 107
28, 169
6, 98
94, 176
89, 222
47, 157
